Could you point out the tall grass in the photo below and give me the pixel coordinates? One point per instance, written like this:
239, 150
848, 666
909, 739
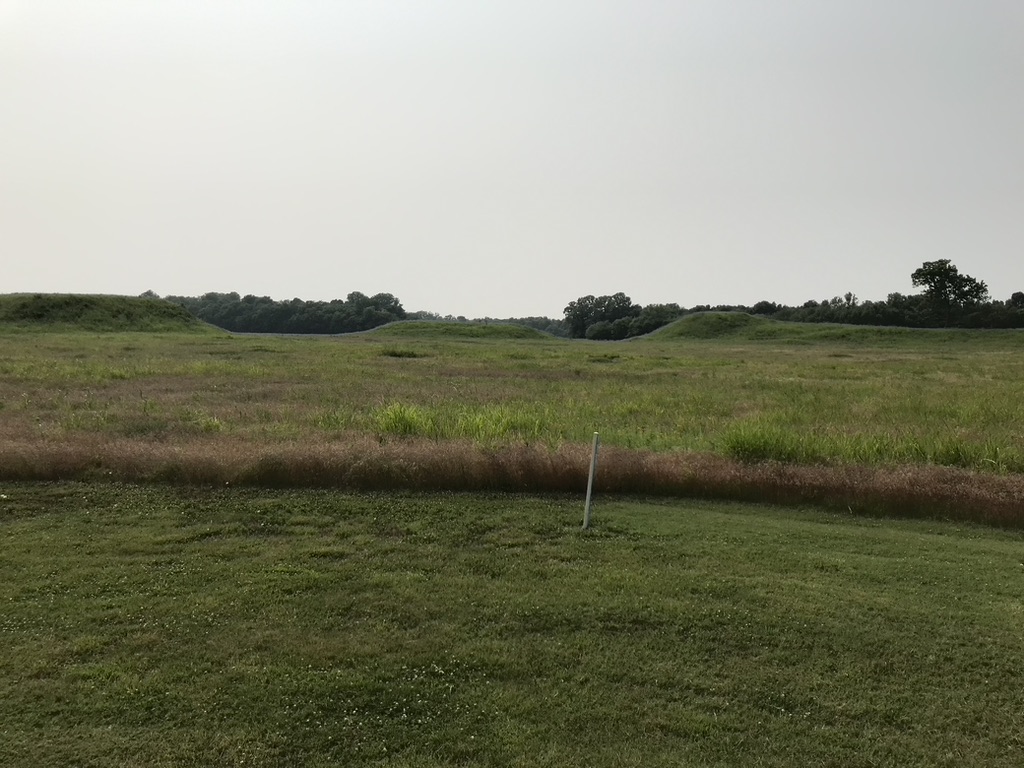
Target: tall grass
461, 465
683, 395
78, 404
759, 441
486, 424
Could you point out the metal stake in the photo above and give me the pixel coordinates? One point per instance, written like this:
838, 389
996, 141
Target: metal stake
590, 482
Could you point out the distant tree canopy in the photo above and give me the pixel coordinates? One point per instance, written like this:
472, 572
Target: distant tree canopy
949, 299
616, 317
261, 314
590, 310
946, 290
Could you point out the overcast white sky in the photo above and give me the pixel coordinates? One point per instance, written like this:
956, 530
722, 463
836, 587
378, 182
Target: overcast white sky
498, 158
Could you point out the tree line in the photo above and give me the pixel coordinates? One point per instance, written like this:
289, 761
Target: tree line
949, 300
261, 314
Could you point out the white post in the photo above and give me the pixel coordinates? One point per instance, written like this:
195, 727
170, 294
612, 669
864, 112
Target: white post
590, 482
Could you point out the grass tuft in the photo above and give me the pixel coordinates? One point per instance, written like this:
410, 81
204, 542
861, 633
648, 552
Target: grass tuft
402, 420
486, 424
753, 443
400, 353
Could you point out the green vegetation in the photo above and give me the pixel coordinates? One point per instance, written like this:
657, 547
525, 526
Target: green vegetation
949, 300
763, 441
94, 313
261, 314
442, 329
162, 626
697, 408
485, 425
205, 619
715, 325
739, 326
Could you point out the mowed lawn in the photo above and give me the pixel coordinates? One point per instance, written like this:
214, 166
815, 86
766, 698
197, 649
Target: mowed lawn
163, 626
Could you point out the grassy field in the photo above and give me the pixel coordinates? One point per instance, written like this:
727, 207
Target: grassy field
471, 406
173, 626
915, 396
204, 618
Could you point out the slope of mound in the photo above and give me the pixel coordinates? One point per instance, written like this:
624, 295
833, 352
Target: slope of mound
94, 313
713, 325
421, 328
738, 326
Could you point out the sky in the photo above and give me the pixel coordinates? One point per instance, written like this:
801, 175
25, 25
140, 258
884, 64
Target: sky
501, 159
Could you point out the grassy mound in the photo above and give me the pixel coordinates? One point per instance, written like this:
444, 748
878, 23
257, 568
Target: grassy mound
739, 326
420, 328
710, 325
94, 313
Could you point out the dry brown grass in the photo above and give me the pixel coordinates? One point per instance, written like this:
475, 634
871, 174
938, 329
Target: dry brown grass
366, 464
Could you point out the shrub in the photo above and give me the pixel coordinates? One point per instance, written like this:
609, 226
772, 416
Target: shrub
402, 420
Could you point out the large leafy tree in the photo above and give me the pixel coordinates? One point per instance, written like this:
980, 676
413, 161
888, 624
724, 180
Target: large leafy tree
588, 310
578, 315
946, 288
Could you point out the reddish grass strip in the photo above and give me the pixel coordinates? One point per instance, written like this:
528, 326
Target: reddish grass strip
365, 464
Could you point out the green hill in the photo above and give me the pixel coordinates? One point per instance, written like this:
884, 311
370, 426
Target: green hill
434, 329
739, 326
710, 325
94, 313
